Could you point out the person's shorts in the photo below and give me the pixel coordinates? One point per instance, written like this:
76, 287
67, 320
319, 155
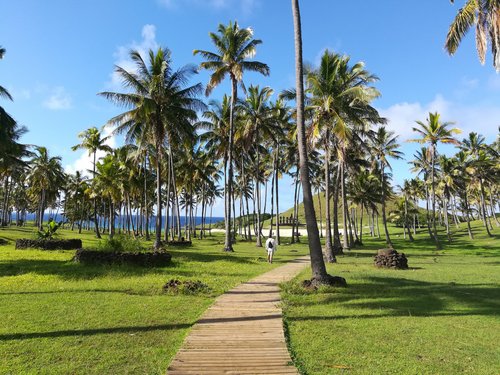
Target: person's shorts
270, 251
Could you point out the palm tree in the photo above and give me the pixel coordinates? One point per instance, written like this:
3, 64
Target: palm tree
463, 169
317, 263
384, 146
93, 142
340, 100
163, 110
259, 125
46, 177
432, 133
234, 46
485, 16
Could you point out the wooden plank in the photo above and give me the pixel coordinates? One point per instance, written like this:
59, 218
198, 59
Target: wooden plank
242, 333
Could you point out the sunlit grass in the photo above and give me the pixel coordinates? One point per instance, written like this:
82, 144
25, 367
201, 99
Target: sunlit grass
59, 317
440, 317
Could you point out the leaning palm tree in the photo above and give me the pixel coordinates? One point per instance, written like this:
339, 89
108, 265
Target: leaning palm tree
433, 132
162, 110
93, 142
317, 263
485, 16
234, 46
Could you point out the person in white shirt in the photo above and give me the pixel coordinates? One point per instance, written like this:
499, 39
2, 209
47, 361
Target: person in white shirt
271, 248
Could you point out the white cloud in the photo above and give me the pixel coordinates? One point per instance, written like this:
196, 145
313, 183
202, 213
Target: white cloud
474, 117
246, 6
84, 163
59, 99
122, 53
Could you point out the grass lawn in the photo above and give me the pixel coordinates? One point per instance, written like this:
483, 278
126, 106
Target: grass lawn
440, 317
59, 317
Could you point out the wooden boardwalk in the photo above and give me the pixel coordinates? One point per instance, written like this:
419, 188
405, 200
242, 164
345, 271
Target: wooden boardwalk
242, 333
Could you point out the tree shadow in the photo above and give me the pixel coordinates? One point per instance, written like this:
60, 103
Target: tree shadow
398, 297
91, 332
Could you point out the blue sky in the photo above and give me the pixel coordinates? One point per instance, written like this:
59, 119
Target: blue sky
61, 53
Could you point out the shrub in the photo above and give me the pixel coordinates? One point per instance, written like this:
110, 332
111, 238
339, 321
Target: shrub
120, 243
190, 287
51, 230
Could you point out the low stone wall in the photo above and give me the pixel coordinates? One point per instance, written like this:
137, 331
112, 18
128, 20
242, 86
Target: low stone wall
28, 243
150, 259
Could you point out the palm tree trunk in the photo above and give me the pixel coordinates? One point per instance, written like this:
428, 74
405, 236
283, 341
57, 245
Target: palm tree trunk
228, 241
337, 245
330, 257
384, 219
257, 185
157, 243
317, 262
433, 192
466, 213
277, 196
295, 205
446, 218
483, 207
272, 201
345, 240
96, 222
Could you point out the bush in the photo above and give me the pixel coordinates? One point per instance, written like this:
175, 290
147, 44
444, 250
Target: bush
149, 259
27, 243
189, 287
119, 243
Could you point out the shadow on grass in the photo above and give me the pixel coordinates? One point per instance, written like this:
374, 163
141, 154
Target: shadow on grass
397, 297
91, 332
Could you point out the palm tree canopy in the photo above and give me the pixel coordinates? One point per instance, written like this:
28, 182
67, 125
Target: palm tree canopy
485, 16
92, 141
163, 107
435, 131
234, 46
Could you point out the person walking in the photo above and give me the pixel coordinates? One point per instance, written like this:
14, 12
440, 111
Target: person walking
271, 248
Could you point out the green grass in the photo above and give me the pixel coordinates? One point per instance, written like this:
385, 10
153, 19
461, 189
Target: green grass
440, 317
59, 317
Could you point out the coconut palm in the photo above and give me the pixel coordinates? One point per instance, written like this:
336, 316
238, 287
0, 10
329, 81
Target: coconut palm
340, 100
46, 177
234, 46
317, 262
385, 146
93, 142
433, 132
259, 126
162, 110
484, 15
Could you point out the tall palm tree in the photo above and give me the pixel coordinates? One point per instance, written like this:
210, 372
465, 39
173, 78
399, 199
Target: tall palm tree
162, 110
433, 132
385, 146
485, 16
93, 142
259, 126
233, 48
317, 262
